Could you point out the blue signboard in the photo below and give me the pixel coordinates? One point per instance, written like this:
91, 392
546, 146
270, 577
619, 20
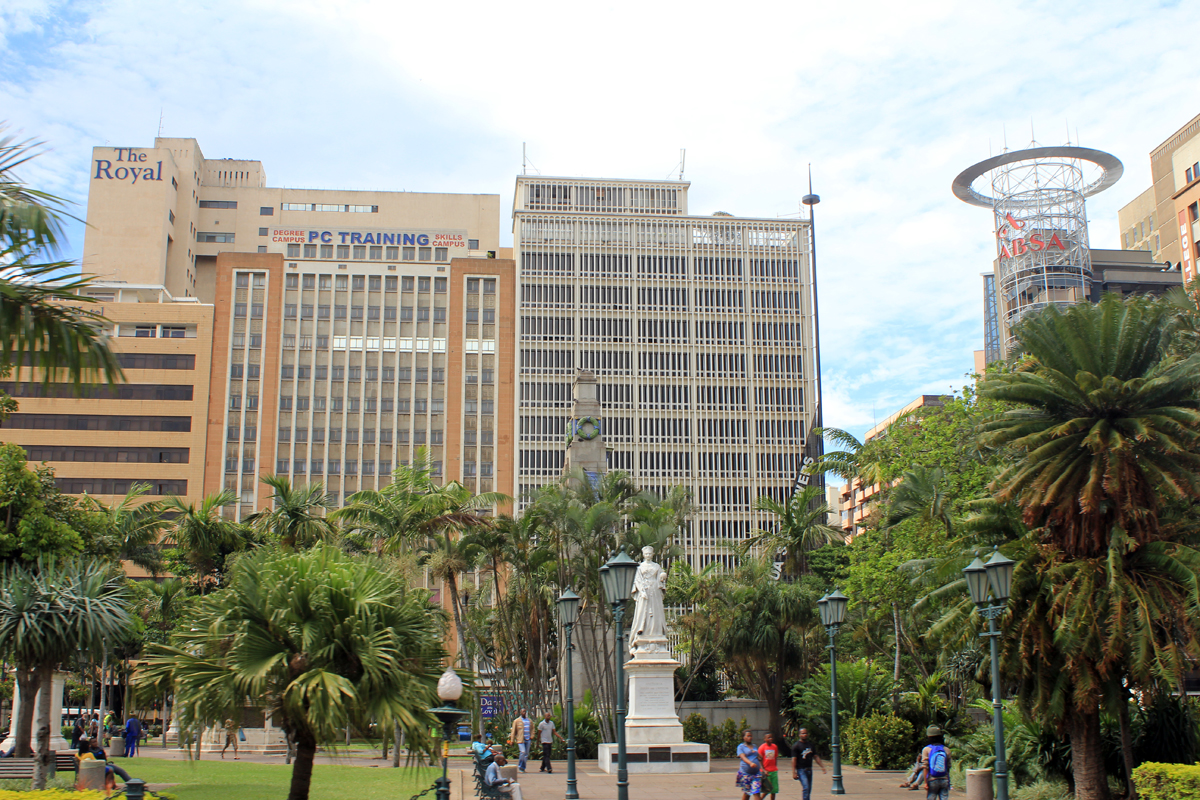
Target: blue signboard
489, 706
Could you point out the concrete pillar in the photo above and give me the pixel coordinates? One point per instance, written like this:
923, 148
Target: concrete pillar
979, 784
57, 742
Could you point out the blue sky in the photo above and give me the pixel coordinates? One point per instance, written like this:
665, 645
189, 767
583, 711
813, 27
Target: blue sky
888, 101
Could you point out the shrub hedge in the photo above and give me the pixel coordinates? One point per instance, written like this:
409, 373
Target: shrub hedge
880, 741
1167, 781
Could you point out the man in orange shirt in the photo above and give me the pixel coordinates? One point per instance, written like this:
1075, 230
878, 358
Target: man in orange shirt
768, 756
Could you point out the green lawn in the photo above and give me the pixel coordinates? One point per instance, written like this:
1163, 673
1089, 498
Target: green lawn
221, 780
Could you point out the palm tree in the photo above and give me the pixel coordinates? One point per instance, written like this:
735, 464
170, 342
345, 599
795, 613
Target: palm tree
921, 494
297, 516
800, 527
203, 536
138, 527
322, 639
36, 325
47, 614
1103, 424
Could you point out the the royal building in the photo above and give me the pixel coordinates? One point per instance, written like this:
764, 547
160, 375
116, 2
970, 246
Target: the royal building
698, 329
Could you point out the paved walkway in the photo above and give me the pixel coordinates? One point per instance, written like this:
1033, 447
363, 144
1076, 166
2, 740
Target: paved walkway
593, 784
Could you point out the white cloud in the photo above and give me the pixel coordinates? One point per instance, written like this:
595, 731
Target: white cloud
888, 101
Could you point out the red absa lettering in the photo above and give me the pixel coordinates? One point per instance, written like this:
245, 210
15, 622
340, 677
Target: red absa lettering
1018, 247
1055, 242
1036, 244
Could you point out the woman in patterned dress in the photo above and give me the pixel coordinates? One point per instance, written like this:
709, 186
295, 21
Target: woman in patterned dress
749, 776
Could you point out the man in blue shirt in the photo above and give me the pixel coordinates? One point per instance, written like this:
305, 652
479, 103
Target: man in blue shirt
492, 776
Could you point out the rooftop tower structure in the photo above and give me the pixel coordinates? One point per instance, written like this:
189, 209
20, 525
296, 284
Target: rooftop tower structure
1037, 198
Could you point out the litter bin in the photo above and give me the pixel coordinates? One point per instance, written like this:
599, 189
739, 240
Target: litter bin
91, 775
116, 746
979, 784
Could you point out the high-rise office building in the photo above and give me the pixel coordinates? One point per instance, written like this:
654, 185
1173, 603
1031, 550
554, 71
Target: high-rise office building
325, 334
698, 330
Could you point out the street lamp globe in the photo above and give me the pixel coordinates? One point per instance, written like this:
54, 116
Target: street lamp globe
836, 603
449, 686
617, 576
1000, 575
977, 581
568, 607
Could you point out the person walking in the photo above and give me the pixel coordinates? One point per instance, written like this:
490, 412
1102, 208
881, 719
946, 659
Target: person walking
93, 727
935, 759
133, 735
749, 775
768, 755
231, 738
78, 730
546, 734
803, 756
521, 735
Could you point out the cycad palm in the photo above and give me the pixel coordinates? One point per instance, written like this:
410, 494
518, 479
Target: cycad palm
322, 639
1105, 424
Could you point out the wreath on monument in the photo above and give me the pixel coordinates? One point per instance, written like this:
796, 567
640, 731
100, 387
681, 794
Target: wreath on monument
585, 435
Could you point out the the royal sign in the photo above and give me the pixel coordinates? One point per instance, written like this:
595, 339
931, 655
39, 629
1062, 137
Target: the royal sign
1013, 243
130, 166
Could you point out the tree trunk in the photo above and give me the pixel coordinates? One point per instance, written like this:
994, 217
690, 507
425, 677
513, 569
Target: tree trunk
386, 742
1087, 756
896, 665
43, 764
27, 683
199, 741
1126, 746
306, 751
396, 733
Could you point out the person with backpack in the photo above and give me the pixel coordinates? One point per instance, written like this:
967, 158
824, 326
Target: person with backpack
935, 758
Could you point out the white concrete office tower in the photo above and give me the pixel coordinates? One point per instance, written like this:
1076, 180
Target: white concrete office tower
699, 331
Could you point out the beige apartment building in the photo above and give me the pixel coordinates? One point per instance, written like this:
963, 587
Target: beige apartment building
1150, 221
150, 429
698, 330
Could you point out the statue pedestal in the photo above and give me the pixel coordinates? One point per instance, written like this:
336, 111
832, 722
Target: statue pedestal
653, 732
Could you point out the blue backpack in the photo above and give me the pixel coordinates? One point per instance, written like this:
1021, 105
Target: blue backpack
939, 761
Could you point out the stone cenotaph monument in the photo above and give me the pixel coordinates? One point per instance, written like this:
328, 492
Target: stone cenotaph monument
653, 732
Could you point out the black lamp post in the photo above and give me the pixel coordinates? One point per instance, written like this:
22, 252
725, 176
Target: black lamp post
617, 577
833, 614
568, 614
996, 575
449, 689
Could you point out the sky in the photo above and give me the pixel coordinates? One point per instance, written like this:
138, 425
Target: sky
887, 101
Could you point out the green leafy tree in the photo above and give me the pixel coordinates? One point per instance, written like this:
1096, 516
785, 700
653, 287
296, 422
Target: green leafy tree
37, 521
1103, 424
136, 527
322, 639
49, 612
204, 537
800, 527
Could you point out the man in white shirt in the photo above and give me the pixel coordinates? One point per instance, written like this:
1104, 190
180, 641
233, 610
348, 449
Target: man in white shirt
492, 776
547, 733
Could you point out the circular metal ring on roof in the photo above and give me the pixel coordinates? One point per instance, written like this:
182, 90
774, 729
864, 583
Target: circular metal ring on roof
1111, 165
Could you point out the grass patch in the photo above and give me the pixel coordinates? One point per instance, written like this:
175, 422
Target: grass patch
221, 780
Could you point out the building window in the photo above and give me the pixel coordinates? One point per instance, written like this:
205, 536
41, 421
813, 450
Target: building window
326, 252
472, 244
212, 236
439, 285
426, 253
343, 251
218, 203
360, 252
291, 281
410, 254
266, 211
310, 251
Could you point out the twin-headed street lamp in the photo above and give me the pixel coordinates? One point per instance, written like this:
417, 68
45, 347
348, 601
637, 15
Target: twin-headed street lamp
617, 577
833, 614
568, 614
449, 689
994, 576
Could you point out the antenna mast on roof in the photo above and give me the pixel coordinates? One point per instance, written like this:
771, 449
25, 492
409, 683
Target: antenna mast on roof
160, 121
680, 165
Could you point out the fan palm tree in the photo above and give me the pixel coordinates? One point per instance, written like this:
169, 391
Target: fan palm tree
297, 515
322, 639
800, 527
48, 613
43, 320
203, 536
138, 527
1103, 424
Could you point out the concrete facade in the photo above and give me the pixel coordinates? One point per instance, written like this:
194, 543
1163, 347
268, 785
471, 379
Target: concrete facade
1154, 210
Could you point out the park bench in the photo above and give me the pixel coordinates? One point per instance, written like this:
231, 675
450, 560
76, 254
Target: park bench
21, 769
485, 791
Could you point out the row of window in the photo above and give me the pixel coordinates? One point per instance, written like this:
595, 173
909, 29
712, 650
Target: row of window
761, 270
124, 391
155, 361
349, 209
309, 311
359, 252
120, 486
98, 422
131, 455
352, 435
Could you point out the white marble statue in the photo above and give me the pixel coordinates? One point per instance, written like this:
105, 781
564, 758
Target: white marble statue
648, 632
